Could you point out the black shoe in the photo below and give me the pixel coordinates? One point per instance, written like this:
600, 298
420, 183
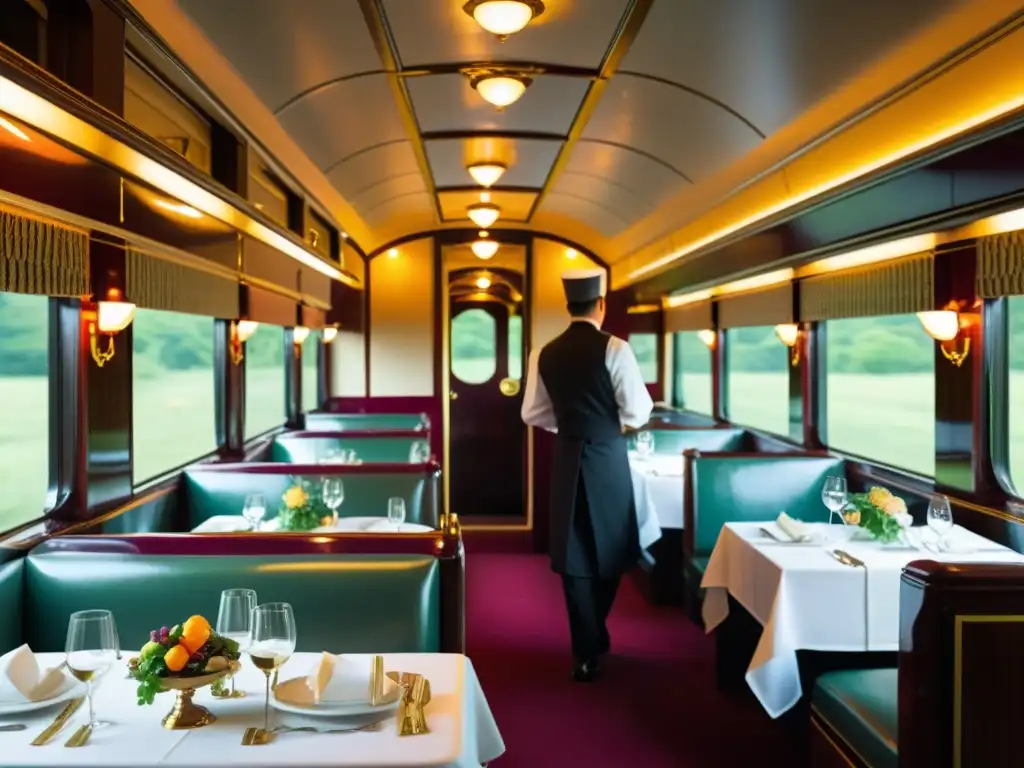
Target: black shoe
585, 671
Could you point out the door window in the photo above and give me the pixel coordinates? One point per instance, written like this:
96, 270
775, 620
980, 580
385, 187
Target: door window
474, 346
515, 347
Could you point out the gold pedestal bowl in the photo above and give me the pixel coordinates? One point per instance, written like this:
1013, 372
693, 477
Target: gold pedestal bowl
185, 714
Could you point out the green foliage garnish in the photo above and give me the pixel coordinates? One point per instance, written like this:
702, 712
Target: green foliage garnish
150, 669
302, 507
873, 519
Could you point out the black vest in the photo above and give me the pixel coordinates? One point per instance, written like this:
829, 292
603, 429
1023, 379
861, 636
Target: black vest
575, 374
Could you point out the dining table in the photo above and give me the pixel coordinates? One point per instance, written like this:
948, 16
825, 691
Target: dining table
830, 593
661, 476
237, 523
462, 731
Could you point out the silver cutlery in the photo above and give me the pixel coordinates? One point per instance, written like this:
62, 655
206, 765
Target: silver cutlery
310, 729
12, 727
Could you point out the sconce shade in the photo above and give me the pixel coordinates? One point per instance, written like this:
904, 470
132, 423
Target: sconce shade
329, 334
245, 329
941, 325
707, 336
787, 333
484, 249
483, 214
299, 334
114, 316
486, 174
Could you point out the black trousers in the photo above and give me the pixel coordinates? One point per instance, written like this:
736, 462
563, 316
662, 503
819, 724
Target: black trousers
589, 602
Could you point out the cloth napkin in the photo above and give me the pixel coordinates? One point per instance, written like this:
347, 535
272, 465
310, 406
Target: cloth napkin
335, 679
794, 529
22, 681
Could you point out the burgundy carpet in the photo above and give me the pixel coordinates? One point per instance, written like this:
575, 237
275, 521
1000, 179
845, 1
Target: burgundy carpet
655, 705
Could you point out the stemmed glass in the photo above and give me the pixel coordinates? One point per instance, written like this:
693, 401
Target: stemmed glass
234, 621
644, 444
351, 458
419, 453
333, 493
833, 496
271, 643
254, 509
940, 518
92, 646
396, 511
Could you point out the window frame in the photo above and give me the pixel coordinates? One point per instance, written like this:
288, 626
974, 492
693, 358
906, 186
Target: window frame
995, 391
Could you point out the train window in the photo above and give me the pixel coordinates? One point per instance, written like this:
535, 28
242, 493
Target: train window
311, 372
474, 346
645, 347
691, 373
264, 380
1015, 360
173, 411
515, 347
880, 391
757, 379
24, 407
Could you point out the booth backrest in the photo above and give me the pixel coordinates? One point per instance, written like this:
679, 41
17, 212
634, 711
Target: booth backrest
343, 602
676, 417
221, 489
364, 422
730, 488
699, 438
388, 447
11, 603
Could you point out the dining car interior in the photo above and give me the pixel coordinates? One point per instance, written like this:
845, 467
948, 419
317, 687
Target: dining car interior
274, 279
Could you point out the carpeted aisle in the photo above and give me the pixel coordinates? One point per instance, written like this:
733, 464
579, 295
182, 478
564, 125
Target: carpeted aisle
655, 705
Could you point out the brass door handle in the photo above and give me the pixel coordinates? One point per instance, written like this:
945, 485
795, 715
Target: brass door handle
509, 387
453, 395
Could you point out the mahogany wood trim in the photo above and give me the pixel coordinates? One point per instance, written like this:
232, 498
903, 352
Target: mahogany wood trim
277, 468
360, 434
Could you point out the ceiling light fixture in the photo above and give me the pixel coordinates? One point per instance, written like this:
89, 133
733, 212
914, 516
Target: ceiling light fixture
501, 86
486, 174
484, 248
483, 283
503, 17
11, 128
483, 214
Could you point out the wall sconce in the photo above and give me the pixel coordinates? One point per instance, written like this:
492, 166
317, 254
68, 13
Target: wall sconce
708, 336
299, 334
944, 325
111, 317
241, 332
789, 334
329, 334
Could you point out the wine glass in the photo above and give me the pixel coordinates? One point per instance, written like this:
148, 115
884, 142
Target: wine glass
254, 509
396, 511
234, 620
419, 453
271, 643
940, 518
352, 458
333, 493
644, 444
833, 496
91, 648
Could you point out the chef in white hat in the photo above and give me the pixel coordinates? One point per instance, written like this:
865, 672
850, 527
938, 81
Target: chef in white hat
586, 385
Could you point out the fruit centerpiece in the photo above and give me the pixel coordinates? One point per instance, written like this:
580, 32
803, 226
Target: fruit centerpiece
182, 658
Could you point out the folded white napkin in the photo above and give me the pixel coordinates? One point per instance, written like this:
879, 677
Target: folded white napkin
344, 679
795, 529
22, 681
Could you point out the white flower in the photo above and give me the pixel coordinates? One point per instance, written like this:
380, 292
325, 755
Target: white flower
904, 519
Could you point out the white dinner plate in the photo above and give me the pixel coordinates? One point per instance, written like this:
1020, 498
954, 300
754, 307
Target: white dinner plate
299, 700
69, 689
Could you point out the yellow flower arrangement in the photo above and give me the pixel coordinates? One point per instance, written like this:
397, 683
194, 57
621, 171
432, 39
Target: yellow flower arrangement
879, 512
295, 497
301, 508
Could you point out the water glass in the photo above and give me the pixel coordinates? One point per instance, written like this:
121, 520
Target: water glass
92, 646
234, 621
419, 453
254, 509
396, 511
833, 496
644, 444
333, 493
940, 518
351, 458
271, 643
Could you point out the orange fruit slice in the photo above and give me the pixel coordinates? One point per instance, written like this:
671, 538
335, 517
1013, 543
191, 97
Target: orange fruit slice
176, 658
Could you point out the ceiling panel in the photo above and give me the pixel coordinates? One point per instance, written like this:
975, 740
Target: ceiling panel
770, 60
412, 204
605, 192
598, 217
645, 177
330, 124
693, 135
449, 103
572, 33
529, 160
365, 168
285, 48
515, 206
388, 189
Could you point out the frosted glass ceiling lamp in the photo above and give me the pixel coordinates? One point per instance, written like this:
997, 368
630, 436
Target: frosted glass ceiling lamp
501, 86
503, 17
484, 249
486, 174
483, 214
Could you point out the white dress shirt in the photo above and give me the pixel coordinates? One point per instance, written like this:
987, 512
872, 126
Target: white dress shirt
631, 393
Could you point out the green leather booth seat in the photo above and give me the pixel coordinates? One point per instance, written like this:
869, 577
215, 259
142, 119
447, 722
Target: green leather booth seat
343, 603
306, 448
11, 602
676, 417
209, 491
860, 706
752, 488
346, 422
678, 440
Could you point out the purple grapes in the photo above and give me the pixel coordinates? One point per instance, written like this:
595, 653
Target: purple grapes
160, 635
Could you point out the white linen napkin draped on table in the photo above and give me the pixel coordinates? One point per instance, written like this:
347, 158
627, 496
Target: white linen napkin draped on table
463, 733
23, 679
806, 600
237, 523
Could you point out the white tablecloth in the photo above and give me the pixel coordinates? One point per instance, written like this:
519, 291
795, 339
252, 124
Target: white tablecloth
662, 474
235, 523
463, 732
806, 600
646, 517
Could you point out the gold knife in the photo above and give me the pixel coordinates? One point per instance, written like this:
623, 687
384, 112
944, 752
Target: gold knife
850, 559
59, 722
81, 736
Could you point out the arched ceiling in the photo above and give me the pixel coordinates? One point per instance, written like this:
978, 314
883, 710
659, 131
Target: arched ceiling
641, 100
